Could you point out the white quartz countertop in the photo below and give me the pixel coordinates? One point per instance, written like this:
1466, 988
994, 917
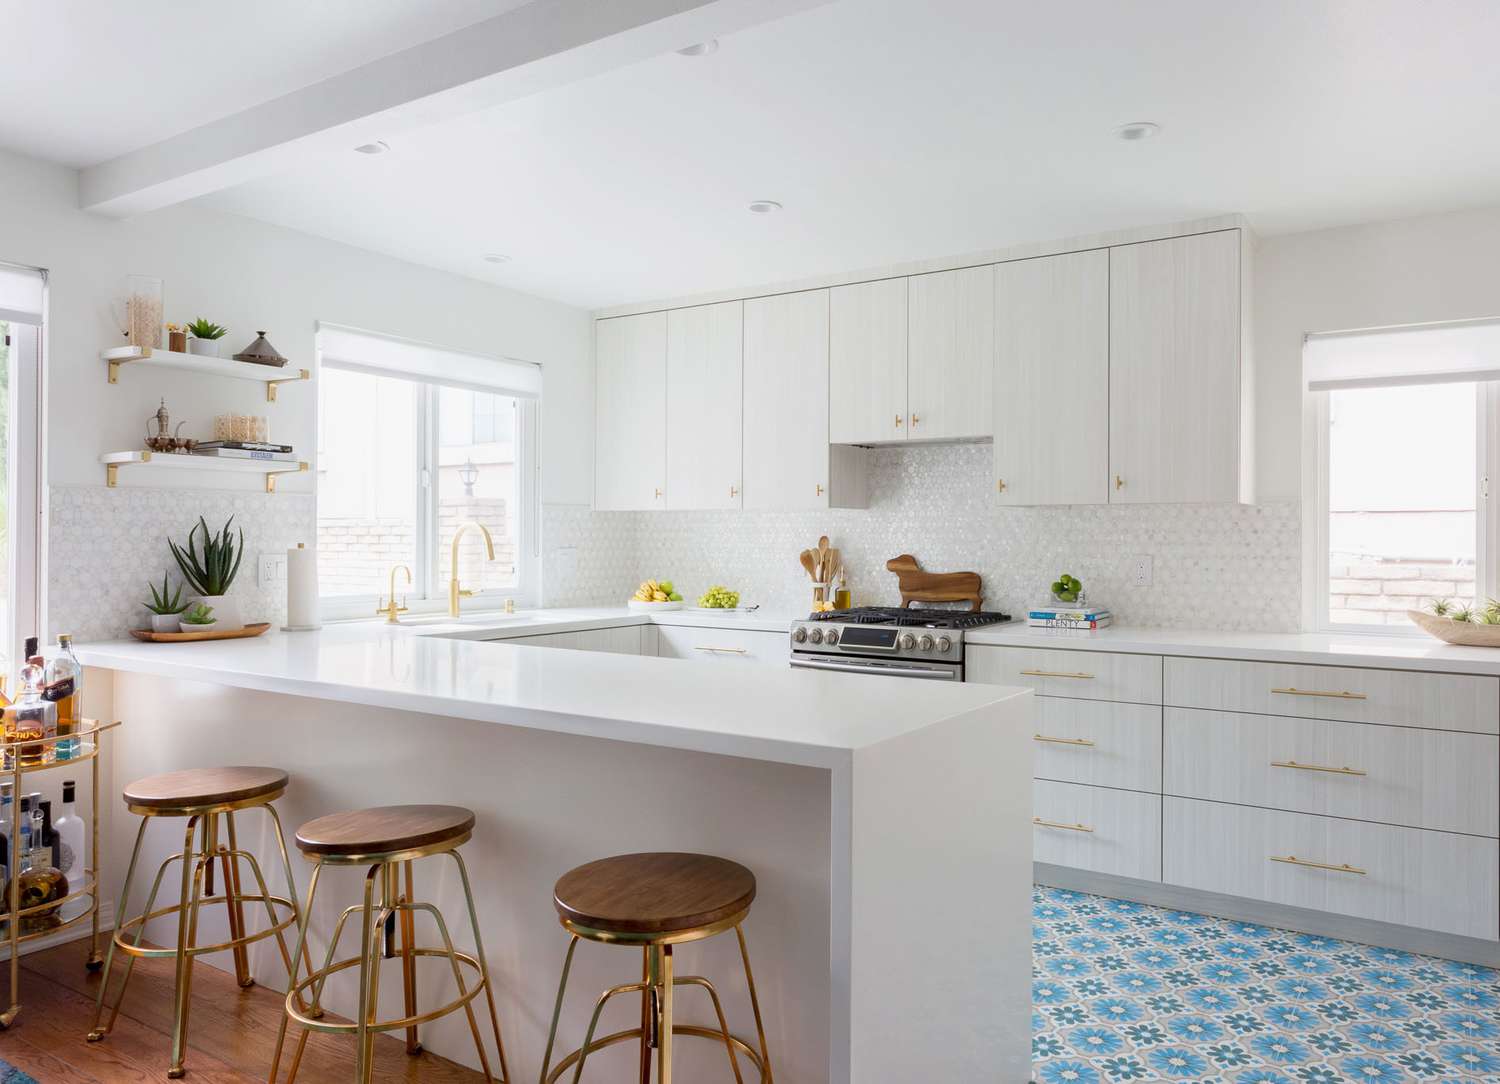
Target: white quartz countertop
766, 713
1323, 649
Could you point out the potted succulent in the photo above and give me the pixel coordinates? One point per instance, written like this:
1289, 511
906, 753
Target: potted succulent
205, 337
211, 573
197, 618
165, 606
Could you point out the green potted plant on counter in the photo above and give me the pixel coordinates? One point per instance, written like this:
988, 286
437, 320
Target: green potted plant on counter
198, 618
166, 606
211, 573
205, 337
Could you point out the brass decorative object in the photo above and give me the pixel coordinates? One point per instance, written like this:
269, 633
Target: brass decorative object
167, 439
261, 352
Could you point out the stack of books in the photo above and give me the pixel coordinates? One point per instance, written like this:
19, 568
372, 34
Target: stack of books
1059, 615
246, 449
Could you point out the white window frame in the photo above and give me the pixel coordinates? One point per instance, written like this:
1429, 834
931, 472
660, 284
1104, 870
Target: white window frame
1315, 510
27, 480
427, 594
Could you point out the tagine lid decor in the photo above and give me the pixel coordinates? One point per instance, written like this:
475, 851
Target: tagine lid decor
261, 352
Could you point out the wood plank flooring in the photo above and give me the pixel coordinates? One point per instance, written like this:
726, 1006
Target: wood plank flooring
231, 1037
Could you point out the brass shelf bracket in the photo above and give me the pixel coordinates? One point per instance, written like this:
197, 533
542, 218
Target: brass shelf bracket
272, 385
115, 363
272, 475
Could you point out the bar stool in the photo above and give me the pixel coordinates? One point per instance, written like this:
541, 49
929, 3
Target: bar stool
203, 796
656, 901
387, 840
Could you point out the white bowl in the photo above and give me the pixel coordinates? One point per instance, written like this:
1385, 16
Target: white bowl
653, 607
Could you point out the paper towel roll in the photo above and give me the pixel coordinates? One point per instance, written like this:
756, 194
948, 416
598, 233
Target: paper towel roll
301, 588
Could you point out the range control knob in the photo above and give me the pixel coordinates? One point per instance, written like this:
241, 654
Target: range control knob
908, 641
832, 637
816, 636
799, 634
945, 645
925, 643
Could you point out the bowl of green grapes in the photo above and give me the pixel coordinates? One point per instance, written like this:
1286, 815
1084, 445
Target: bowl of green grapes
1067, 590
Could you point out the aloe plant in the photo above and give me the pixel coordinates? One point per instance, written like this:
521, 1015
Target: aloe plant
199, 615
214, 571
206, 329
162, 602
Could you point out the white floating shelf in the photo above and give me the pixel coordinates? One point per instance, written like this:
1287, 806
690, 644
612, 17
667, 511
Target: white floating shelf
270, 375
144, 460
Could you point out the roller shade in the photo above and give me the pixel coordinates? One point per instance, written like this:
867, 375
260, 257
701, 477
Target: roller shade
21, 294
407, 359
1421, 354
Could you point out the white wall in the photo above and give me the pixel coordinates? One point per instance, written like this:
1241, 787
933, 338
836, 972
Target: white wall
1441, 267
251, 276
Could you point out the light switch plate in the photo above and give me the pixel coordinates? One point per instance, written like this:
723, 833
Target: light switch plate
271, 569
1140, 571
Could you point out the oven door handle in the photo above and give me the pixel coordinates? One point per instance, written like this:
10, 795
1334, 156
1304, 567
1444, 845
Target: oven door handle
893, 671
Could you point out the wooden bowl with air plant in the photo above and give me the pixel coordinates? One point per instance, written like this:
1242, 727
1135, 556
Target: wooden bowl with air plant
1460, 624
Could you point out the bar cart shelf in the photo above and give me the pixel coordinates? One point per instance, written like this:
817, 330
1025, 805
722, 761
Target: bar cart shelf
89, 739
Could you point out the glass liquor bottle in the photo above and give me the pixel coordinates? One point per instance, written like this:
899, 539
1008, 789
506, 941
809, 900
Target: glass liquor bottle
64, 678
67, 830
30, 719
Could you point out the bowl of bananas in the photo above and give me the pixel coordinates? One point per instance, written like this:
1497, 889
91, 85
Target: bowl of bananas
655, 595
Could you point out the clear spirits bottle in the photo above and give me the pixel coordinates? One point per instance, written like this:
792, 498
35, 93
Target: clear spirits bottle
68, 830
30, 719
63, 688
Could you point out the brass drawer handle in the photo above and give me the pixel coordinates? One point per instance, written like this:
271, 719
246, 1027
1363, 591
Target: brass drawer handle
1315, 692
1062, 741
1293, 860
1057, 824
1057, 673
724, 650
1317, 768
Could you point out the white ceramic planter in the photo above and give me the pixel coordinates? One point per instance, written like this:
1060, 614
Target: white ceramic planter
165, 622
206, 347
183, 626
226, 612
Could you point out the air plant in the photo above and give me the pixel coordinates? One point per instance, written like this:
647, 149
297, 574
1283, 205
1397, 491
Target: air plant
162, 602
206, 329
213, 572
1441, 607
1464, 614
199, 614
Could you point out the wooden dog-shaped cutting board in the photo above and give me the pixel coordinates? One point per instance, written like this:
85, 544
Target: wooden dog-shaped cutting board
918, 586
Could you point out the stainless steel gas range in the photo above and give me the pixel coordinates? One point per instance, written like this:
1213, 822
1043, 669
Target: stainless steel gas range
899, 643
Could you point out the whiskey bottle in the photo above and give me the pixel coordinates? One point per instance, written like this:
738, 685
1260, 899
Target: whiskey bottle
64, 678
30, 719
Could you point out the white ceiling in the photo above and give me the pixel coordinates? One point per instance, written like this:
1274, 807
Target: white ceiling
82, 81
891, 130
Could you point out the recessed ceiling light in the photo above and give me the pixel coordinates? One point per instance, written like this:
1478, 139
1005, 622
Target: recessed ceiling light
764, 206
380, 146
1137, 130
702, 48
496, 257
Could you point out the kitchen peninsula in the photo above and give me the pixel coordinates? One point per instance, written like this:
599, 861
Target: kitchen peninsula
879, 955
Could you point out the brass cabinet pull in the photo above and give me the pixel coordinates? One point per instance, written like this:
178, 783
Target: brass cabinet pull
1119, 482
1000, 485
1293, 860
1317, 768
1062, 741
898, 421
724, 650
915, 420
820, 489
1058, 824
733, 492
658, 494
1057, 673
1316, 692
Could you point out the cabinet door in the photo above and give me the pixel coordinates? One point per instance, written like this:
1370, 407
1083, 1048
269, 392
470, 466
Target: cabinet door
786, 401
951, 346
630, 416
704, 406
1052, 379
867, 362
1174, 370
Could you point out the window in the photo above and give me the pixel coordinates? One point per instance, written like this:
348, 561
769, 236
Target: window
22, 537
407, 456
1400, 447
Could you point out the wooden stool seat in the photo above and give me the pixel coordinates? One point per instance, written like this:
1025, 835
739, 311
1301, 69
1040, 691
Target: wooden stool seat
385, 830
199, 787
654, 893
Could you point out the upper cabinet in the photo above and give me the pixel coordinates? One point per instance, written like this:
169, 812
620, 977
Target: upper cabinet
630, 412
867, 362
1051, 382
1179, 389
704, 406
789, 462
950, 346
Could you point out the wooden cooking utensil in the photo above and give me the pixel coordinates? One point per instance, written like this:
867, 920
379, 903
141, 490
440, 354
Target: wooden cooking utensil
806, 558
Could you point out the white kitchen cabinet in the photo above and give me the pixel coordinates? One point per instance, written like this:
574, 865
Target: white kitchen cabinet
788, 461
867, 362
625, 640
722, 645
1097, 828
704, 406
950, 354
1051, 379
630, 415
1179, 381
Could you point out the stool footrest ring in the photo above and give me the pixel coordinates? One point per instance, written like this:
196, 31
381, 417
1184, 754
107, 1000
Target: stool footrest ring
127, 928
691, 1030
316, 978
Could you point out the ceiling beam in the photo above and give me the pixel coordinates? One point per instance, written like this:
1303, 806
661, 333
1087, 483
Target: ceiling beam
543, 44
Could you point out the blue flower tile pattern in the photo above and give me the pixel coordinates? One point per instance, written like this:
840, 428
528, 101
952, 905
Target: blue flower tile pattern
1126, 992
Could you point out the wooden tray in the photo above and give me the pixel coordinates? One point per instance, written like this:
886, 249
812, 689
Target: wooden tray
212, 634
1461, 633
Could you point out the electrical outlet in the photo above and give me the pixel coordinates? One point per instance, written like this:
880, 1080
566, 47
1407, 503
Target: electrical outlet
1140, 571
271, 569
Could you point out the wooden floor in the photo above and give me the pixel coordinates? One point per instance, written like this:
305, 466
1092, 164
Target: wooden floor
231, 1038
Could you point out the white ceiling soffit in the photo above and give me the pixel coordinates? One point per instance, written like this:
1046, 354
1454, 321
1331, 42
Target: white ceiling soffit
535, 47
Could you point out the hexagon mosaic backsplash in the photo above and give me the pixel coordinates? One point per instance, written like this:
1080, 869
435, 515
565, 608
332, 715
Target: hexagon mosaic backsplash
1214, 566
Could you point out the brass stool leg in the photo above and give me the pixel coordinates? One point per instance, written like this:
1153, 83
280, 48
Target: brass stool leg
140, 936
645, 1016
582, 1053
312, 889
562, 986
463, 989
484, 967
236, 910
366, 938
409, 963
663, 977
192, 887
694, 980
109, 958
760, 1027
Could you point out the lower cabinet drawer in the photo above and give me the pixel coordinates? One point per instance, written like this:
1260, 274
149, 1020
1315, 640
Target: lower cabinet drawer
1436, 779
1099, 743
1097, 828
724, 645
1431, 880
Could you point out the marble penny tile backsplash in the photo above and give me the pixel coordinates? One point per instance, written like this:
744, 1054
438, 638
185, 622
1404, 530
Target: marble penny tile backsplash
1214, 566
